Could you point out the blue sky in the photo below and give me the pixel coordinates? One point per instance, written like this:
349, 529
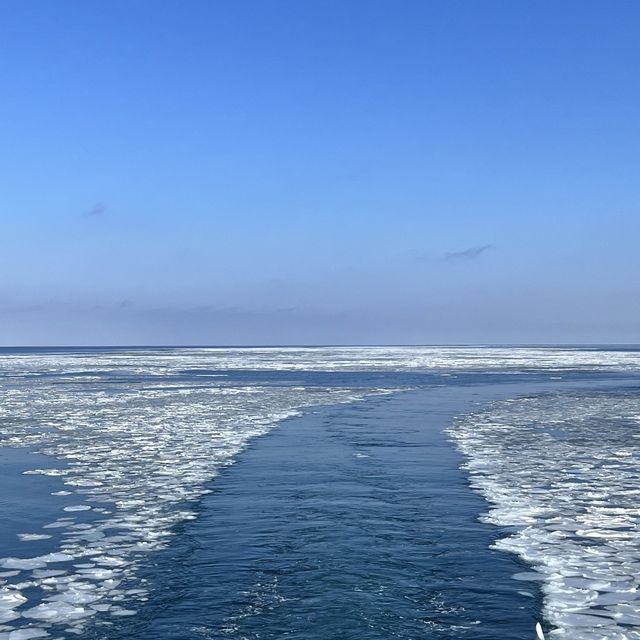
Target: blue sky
234, 172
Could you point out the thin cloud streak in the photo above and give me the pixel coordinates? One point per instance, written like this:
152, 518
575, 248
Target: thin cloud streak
98, 209
467, 254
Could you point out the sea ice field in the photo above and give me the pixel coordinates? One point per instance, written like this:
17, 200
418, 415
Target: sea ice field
320, 493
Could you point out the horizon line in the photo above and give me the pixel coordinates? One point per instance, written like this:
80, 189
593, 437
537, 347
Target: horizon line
328, 345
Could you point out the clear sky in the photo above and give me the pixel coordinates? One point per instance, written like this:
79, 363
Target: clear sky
312, 171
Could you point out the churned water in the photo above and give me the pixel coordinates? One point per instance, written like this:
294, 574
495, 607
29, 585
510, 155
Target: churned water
376, 492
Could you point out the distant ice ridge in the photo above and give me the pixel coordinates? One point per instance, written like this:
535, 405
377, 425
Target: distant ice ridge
564, 471
139, 452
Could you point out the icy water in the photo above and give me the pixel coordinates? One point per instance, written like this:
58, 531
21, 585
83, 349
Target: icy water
319, 493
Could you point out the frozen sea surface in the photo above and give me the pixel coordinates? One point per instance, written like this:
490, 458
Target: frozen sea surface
563, 470
114, 469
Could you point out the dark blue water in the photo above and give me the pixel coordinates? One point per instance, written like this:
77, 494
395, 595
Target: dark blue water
24, 503
350, 522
